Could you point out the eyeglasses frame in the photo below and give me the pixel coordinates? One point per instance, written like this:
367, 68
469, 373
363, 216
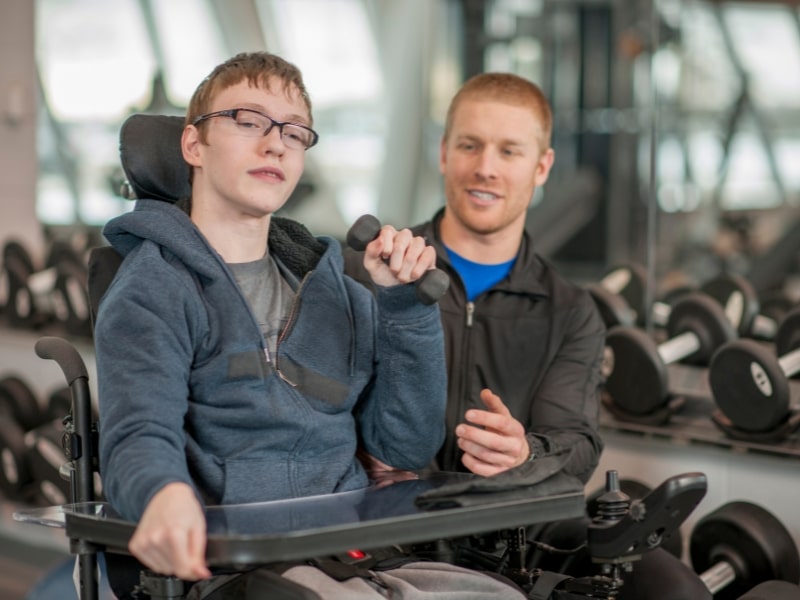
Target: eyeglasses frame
232, 112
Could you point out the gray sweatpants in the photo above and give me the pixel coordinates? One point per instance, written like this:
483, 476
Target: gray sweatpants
421, 580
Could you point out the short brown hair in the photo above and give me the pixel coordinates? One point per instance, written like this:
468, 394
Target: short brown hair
259, 69
510, 89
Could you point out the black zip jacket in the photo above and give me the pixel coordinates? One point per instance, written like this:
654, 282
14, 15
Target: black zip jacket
536, 340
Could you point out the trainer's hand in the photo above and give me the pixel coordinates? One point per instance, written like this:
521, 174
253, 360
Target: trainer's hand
492, 440
396, 257
171, 536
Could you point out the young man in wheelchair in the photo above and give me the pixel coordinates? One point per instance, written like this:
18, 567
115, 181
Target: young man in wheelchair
237, 363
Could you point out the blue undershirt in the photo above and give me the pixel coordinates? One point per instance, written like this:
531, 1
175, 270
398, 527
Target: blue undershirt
478, 277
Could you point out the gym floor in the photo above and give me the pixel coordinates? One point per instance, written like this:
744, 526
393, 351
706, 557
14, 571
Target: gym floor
23, 564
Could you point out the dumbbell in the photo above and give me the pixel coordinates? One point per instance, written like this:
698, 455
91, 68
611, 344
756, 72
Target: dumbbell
620, 296
774, 589
740, 545
750, 382
19, 412
430, 287
57, 291
636, 367
31, 444
629, 283
742, 305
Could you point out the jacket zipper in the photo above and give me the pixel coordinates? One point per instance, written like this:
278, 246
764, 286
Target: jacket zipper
470, 311
284, 332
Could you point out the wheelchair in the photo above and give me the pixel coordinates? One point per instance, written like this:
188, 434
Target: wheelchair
621, 533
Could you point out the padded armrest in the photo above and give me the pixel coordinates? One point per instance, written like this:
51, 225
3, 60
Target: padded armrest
150, 152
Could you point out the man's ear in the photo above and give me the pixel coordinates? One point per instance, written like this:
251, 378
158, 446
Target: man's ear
544, 165
190, 145
442, 155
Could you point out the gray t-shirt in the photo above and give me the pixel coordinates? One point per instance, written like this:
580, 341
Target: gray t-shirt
269, 293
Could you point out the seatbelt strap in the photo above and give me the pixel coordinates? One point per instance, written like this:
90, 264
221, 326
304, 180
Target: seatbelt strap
545, 584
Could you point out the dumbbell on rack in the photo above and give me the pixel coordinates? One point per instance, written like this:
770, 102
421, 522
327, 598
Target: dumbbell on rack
31, 445
750, 385
775, 589
56, 292
742, 305
740, 545
620, 296
637, 383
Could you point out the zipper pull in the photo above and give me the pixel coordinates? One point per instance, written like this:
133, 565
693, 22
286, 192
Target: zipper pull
470, 312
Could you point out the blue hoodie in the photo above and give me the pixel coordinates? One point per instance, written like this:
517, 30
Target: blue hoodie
189, 393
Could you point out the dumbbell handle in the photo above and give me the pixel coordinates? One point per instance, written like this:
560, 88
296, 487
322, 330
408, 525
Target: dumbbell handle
718, 577
679, 347
430, 287
790, 363
764, 327
660, 313
616, 281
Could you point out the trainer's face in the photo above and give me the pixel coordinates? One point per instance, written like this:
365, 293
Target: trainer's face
492, 162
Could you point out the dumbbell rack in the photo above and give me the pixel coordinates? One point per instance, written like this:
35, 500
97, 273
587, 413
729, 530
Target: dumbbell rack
694, 424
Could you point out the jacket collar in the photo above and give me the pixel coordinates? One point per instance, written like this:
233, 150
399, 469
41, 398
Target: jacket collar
526, 275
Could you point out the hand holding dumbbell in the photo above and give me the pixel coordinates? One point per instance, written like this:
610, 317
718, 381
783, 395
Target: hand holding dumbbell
430, 287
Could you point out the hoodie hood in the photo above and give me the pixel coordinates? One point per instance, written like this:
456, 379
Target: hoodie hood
169, 226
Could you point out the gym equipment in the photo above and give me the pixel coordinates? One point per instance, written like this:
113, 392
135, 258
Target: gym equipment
430, 287
613, 308
31, 445
19, 412
742, 305
56, 292
636, 368
773, 590
740, 545
621, 294
750, 383
620, 297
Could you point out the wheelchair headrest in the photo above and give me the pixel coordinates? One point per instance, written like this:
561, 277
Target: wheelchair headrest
150, 152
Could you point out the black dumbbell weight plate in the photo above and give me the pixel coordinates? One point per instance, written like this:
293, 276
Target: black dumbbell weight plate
699, 313
45, 455
613, 309
788, 336
749, 386
629, 282
751, 539
17, 396
739, 298
14, 472
637, 381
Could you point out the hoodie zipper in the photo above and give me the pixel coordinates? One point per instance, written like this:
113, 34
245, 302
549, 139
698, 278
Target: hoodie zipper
289, 322
470, 306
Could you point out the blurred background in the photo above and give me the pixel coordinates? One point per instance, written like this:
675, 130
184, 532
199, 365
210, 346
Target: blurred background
676, 121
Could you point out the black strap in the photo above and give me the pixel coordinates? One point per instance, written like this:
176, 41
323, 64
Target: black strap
545, 584
347, 565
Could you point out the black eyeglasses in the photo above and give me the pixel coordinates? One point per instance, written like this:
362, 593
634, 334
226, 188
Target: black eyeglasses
251, 123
